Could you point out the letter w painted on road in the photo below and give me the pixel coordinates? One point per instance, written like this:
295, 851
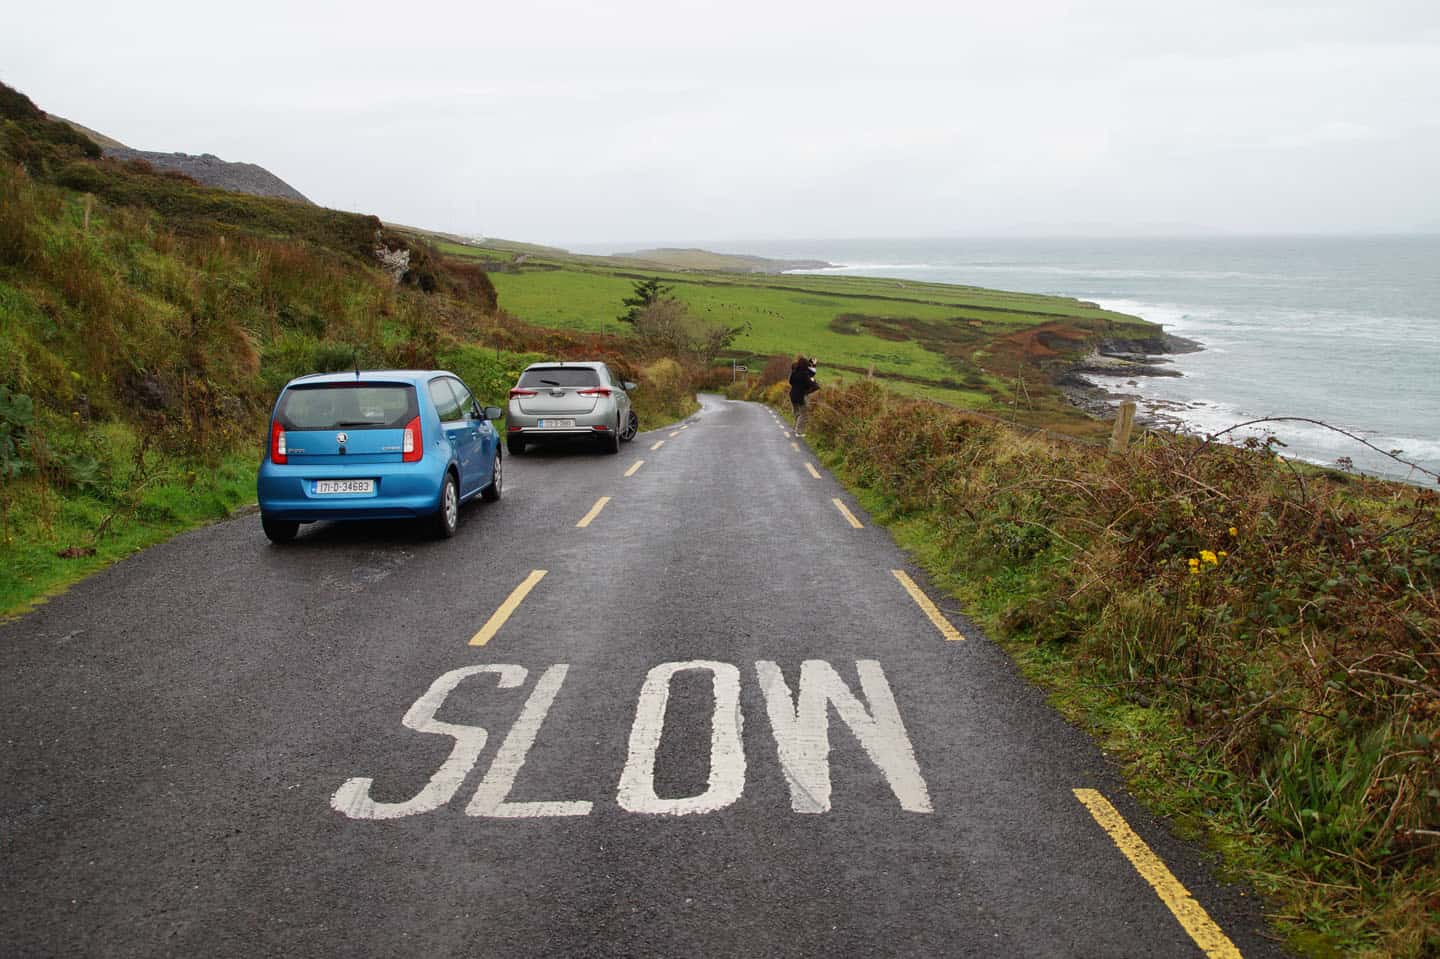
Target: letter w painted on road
802, 732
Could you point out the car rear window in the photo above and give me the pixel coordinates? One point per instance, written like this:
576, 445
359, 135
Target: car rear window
350, 406
559, 376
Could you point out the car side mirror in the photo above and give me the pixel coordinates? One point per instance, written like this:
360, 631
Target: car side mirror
627, 386
493, 412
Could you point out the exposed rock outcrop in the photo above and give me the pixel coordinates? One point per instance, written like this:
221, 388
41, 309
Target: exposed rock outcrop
210, 170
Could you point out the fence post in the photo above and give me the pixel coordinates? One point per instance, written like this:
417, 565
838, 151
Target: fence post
1124, 425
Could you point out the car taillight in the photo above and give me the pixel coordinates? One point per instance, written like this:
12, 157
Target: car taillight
278, 453
519, 392
596, 391
413, 449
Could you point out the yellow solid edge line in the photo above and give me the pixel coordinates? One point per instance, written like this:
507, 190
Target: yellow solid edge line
635, 469
847, 514
812, 471
658, 444
594, 512
930, 609
498, 618
1197, 922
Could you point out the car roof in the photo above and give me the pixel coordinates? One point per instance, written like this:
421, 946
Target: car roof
365, 376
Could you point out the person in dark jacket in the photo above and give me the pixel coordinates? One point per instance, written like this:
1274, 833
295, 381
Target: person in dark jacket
802, 384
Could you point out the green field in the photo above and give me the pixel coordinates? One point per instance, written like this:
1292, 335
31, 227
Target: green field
927, 339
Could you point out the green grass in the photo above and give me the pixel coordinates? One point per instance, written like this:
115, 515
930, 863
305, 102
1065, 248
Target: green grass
932, 338
42, 524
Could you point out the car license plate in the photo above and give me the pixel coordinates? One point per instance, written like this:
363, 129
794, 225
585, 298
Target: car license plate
323, 487
557, 424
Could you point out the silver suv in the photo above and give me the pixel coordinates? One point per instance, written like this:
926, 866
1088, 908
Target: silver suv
568, 400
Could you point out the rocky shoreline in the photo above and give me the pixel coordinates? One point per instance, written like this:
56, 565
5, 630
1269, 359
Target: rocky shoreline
1129, 358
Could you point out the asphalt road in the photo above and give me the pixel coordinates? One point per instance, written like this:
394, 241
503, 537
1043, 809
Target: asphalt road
718, 724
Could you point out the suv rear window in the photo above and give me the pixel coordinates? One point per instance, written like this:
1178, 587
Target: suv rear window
559, 376
350, 406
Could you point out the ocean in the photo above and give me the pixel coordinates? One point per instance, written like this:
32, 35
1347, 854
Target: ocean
1344, 330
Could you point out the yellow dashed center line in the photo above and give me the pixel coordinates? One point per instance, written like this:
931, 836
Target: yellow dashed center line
498, 618
795, 447
929, 608
812, 470
1197, 922
674, 434
658, 444
849, 516
594, 512
635, 469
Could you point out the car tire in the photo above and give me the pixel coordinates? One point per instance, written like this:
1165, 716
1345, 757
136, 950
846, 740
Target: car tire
492, 492
632, 426
279, 531
515, 444
610, 441
447, 518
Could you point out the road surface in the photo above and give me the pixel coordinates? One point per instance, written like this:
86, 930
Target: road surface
684, 701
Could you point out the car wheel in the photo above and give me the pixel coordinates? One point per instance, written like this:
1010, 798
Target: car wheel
632, 426
492, 492
515, 444
610, 441
447, 517
279, 530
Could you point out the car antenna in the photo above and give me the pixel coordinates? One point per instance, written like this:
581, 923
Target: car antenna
355, 355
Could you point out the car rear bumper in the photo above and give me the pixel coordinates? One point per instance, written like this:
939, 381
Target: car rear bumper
401, 492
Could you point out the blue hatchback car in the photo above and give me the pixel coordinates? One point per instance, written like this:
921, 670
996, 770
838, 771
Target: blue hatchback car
382, 444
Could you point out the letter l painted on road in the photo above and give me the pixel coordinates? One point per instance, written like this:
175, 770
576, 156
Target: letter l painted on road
490, 797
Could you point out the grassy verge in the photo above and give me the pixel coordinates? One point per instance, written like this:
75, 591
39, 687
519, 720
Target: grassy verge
1258, 645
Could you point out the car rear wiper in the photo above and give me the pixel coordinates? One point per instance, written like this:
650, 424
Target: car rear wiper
357, 423
550, 382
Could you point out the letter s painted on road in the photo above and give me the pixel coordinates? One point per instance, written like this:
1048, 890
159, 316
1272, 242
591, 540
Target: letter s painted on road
353, 797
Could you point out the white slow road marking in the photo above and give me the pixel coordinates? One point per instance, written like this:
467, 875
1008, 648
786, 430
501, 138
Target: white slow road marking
490, 798
924, 602
635, 469
812, 471
353, 797
594, 512
507, 608
727, 754
658, 444
802, 732
849, 516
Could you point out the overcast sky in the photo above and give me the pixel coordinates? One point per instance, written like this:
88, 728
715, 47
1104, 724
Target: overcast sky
571, 121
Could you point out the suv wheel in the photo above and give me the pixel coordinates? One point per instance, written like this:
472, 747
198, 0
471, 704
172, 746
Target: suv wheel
632, 426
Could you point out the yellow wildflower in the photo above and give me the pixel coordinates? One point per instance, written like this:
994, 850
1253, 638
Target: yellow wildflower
1222, 554
1209, 557
1234, 532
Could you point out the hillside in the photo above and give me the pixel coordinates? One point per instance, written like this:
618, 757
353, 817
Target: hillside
693, 259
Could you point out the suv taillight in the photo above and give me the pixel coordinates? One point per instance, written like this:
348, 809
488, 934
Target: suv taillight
277, 444
596, 391
413, 449
519, 392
